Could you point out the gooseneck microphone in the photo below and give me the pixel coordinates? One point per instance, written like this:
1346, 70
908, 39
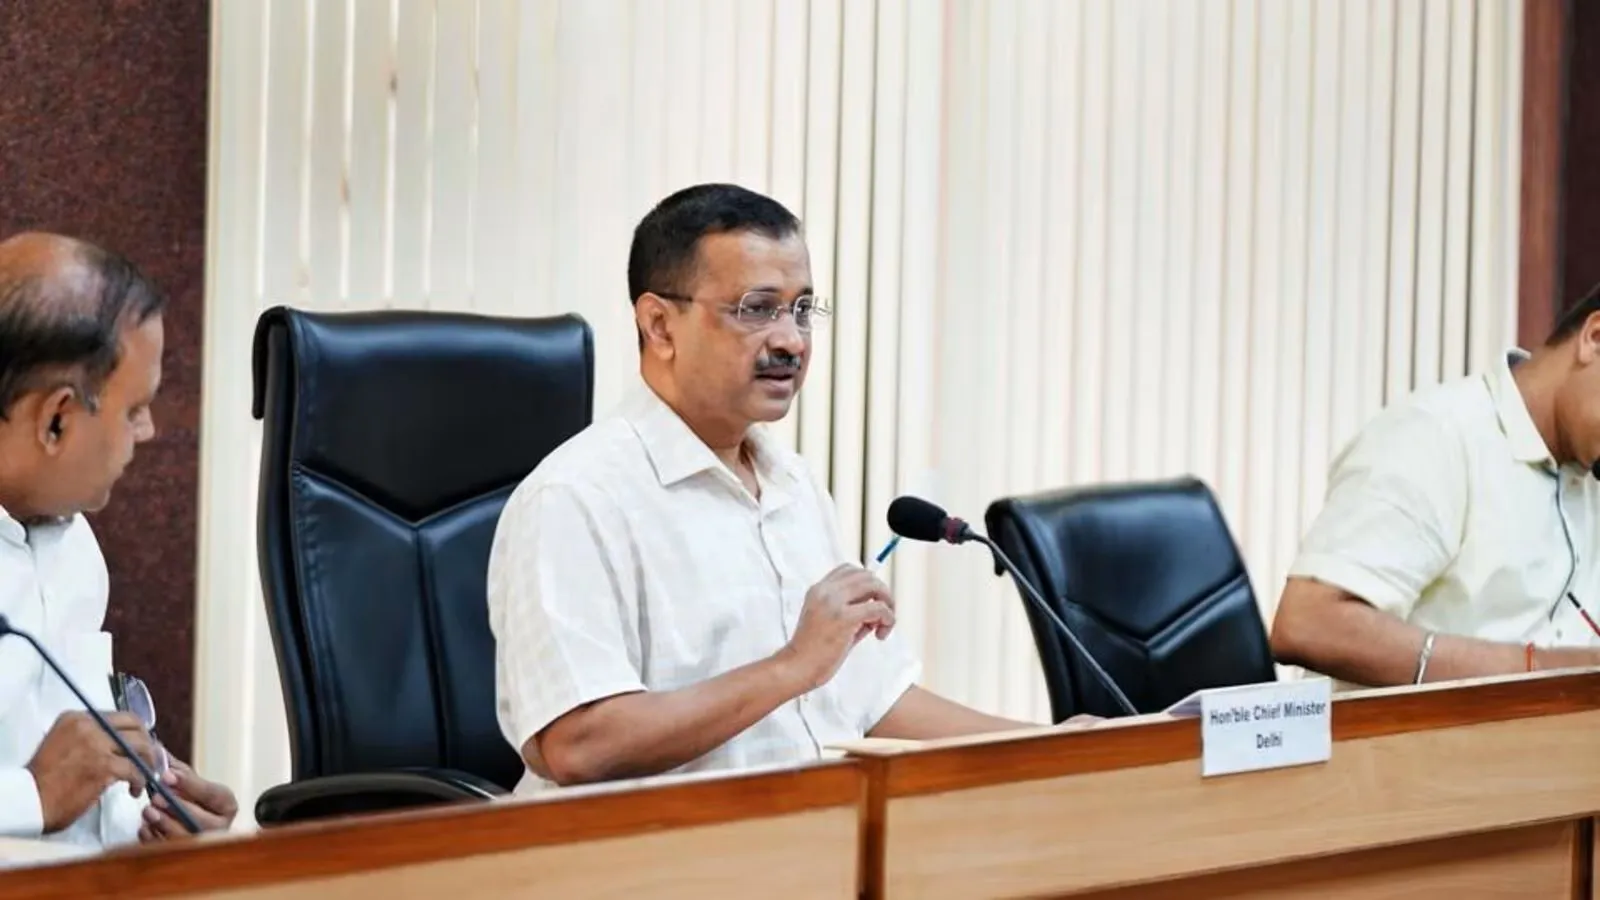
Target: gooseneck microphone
916, 519
150, 780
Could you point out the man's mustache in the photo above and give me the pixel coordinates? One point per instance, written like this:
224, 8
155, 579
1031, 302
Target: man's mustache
777, 361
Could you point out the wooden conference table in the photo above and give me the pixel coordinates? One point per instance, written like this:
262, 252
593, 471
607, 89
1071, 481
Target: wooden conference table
1484, 789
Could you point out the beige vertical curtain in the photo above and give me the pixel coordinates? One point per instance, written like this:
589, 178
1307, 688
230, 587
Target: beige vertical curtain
1069, 241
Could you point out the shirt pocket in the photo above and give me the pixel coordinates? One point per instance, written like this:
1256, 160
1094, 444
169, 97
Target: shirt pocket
86, 658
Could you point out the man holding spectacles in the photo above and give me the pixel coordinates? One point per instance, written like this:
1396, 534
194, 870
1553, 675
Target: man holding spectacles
80, 362
668, 590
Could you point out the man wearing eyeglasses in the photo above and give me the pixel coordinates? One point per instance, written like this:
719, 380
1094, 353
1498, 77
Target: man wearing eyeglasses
80, 362
668, 590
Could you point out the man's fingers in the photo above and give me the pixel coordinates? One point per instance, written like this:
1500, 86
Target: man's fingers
213, 797
123, 770
131, 730
163, 824
862, 586
122, 721
208, 820
873, 613
138, 740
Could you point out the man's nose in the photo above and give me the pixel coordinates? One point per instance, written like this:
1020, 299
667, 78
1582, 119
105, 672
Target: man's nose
784, 334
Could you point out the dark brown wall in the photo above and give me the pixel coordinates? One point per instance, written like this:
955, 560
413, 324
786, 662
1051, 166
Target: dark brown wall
1560, 239
103, 136
1580, 176
1544, 108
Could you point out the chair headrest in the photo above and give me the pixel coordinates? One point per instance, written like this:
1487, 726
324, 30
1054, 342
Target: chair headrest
1164, 542
418, 409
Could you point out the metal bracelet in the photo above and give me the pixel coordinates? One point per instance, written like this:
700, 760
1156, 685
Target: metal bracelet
1422, 658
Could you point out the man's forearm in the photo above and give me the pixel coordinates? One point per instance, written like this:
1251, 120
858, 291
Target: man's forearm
651, 732
1343, 637
922, 715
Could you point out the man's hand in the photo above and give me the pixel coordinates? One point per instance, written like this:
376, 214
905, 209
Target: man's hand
845, 606
77, 761
211, 805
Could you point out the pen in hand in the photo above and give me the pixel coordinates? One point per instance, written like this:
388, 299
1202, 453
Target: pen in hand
883, 555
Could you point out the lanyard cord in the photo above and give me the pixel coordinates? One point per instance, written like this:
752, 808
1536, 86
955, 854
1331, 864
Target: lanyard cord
1572, 550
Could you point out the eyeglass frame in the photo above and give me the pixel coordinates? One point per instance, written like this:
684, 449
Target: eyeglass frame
820, 309
124, 688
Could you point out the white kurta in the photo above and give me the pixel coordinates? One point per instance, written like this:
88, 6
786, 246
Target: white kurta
53, 585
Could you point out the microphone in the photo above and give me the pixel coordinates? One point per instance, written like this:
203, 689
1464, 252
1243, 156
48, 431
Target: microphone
917, 519
151, 782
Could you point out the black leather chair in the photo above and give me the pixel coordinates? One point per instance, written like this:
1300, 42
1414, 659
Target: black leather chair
391, 442
1149, 578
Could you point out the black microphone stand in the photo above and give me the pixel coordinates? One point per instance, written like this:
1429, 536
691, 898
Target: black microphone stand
151, 782
1033, 596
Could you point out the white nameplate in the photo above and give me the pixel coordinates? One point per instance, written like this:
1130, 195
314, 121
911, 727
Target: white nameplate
1266, 726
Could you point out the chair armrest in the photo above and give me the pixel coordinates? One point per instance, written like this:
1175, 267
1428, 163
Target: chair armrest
366, 792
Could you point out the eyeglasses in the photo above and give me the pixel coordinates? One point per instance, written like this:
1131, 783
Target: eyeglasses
133, 696
757, 310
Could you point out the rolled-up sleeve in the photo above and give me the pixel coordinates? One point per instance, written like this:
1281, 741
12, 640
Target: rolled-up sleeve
20, 813
1394, 514
892, 670
557, 607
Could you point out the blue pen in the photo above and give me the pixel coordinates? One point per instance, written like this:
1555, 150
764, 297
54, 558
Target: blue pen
878, 561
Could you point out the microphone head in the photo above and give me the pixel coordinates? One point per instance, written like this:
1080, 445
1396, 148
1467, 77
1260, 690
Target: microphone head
916, 519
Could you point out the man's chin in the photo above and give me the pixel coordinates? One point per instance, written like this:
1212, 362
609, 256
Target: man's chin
97, 504
775, 394
770, 409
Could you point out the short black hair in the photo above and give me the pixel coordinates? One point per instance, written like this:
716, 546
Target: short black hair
48, 339
667, 239
1569, 322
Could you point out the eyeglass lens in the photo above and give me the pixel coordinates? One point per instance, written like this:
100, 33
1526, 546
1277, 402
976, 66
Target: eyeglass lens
143, 707
761, 308
139, 703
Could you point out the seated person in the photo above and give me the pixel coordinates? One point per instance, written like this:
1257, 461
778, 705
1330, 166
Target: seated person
1461, 532
668, 590
80, 361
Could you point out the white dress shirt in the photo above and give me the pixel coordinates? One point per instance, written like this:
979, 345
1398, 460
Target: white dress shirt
633, 559
1448, 511
53, 585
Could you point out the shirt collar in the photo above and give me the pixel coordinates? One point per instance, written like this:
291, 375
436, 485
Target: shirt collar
10, 529
1527, 445
677, 453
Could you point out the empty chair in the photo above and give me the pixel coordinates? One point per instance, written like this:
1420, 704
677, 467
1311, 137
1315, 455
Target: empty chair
391, 441
1150, 579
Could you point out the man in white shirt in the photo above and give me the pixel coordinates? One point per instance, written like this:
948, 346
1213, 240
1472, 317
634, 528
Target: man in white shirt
80, 362
1459, 536
668, 590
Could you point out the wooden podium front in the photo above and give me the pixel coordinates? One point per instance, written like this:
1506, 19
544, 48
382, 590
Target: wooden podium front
793, 832
1483, 789
1479, 789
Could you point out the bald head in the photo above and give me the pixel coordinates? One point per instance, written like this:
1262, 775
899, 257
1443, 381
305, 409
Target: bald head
63, 305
